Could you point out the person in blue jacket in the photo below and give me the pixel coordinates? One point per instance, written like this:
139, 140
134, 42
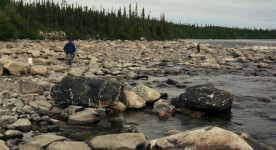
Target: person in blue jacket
70, 50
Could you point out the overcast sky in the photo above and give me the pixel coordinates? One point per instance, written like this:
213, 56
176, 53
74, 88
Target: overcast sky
231, 13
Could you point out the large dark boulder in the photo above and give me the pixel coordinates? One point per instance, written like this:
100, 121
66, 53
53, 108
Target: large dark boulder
205, 97
94, 92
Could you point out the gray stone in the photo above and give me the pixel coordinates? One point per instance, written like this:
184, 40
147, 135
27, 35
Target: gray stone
132, 100
46, 139
7, 120
22, 124
203, 138
127, 141
39, 70
205, 97
13, 134
69, 111
93, 92
148, 94
87, 116
3, 146
68, 145
30, 146
15, 67
27, 87
118, 106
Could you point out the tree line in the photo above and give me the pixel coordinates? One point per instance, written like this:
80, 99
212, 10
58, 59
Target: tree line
19, 19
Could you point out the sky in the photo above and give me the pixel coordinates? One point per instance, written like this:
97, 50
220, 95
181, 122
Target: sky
230, 13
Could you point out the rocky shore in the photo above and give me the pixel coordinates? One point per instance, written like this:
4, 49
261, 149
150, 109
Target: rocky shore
39, 93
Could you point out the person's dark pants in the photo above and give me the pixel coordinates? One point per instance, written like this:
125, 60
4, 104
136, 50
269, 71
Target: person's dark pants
70, 58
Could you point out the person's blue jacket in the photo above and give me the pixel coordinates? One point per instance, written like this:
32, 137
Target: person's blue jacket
69, 48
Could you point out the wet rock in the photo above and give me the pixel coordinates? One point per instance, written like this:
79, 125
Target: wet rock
148, 94
10, 134
69, 111
43, 129
3, 146
164, 109
15, 67
68, 145
27, 87
46, 139
118, 141
205, 97
255, 145
175, 83
35, 117
87, 116
118, 106
30, 146
203, 138
86, 91
132, 100
39, 70
22, 124
104, 123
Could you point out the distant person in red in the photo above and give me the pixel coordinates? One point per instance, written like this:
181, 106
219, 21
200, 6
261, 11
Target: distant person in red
70, 50
198, 47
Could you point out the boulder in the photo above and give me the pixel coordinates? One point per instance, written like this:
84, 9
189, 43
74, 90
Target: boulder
126, 141
22, 124
39, 70
15, 67
30, 146
148, 94
203, 138
10, 134
132, 100
3, 146
68, 145
87, 116
27, 87
205, 97
164, 109
94, 92
46, 139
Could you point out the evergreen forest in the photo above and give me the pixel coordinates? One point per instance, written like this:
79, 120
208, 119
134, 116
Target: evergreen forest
21, 20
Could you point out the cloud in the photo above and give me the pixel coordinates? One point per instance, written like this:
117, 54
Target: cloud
241, 13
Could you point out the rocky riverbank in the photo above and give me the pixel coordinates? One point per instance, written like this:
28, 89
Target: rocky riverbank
30, 69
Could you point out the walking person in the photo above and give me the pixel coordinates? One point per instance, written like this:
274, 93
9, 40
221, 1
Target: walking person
198, 48
70, 50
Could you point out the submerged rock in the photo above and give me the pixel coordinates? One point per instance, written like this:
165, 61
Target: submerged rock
203, 138
30, 146
163, 109
127, 141
205, 97
93, 92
